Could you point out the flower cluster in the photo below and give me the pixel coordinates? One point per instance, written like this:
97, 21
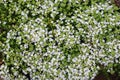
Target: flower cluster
59, 39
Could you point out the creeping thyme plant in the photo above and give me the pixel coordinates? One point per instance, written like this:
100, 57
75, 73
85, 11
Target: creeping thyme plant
58, 39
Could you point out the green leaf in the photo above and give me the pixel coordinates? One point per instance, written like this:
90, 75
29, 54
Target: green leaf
31, 47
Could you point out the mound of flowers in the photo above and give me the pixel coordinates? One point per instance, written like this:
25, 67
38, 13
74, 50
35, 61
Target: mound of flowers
59, 39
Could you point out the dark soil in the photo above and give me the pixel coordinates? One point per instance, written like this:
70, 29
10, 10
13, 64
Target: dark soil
102, 76
117, 2
1, 78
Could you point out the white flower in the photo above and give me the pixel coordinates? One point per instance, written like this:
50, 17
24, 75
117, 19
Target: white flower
25, 45
38, 20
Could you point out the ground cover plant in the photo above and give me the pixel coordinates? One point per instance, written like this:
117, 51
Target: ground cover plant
59, 39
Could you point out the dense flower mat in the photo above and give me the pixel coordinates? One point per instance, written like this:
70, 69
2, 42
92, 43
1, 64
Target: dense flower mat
59, 39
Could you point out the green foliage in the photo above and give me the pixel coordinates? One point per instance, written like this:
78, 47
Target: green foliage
59, 39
